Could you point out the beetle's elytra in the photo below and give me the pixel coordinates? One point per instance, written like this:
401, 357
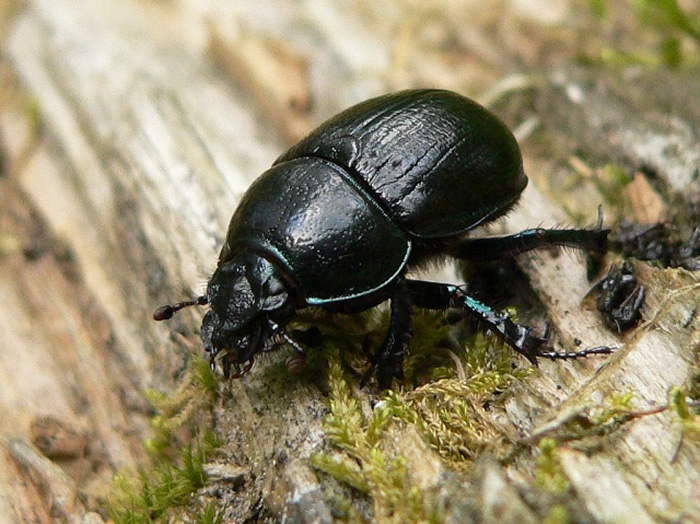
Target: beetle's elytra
340, 217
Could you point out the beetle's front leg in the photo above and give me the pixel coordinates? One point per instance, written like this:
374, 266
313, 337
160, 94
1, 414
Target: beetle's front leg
388, 361
433, 295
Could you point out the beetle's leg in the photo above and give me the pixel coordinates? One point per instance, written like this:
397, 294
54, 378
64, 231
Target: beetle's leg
434, 295
493, 248
276, 329
388, 361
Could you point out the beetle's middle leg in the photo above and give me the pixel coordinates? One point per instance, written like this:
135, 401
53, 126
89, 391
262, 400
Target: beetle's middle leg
434, 295
494, 248
387, 362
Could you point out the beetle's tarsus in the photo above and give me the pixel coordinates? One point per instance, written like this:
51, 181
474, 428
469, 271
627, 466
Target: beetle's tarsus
620, 298
227, 362
570, 355
629, 311
296, 363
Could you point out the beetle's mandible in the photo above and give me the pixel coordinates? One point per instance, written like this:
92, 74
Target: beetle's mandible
339, 219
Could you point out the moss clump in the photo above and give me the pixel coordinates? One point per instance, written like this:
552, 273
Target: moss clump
690, 422
558, 514
177, 471
195, 392
210, 516
149, 495
452, 413
364, 463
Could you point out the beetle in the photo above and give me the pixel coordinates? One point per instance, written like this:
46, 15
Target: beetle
383, 187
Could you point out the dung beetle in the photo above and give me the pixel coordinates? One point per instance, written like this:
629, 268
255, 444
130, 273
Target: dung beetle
384, 187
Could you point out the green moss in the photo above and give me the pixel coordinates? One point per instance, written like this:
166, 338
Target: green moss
690, 421
548, 471
149, 495
558, 514
364, 463
661, 31
598, 8
620, 405
667, 15
210, 516
33, 110
450, 412
177, 471
195, 392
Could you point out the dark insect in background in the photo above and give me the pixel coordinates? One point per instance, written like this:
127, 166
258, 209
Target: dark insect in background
620, 298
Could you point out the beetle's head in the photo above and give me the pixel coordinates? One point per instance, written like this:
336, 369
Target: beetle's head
243, 294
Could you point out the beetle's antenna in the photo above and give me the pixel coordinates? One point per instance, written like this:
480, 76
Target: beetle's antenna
168, 310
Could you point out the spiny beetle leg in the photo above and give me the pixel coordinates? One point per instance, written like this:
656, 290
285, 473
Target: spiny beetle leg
276, 329
434, 295
494, 248
387, 362
563, 355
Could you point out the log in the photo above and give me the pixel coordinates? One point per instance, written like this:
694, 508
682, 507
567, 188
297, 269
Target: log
132, 132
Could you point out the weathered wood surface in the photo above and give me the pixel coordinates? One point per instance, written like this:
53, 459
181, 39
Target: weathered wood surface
152, 120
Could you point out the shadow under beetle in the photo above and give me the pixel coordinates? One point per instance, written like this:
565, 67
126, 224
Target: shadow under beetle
338, 219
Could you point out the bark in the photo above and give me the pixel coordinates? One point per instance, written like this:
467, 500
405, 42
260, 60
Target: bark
149, 121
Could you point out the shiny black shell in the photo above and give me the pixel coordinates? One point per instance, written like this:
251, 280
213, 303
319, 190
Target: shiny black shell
437, 161
339, 213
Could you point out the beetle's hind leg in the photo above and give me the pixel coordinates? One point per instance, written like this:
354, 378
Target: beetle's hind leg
494, 248
433, 295
387, 362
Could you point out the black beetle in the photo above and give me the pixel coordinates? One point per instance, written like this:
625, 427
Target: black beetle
338, 219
